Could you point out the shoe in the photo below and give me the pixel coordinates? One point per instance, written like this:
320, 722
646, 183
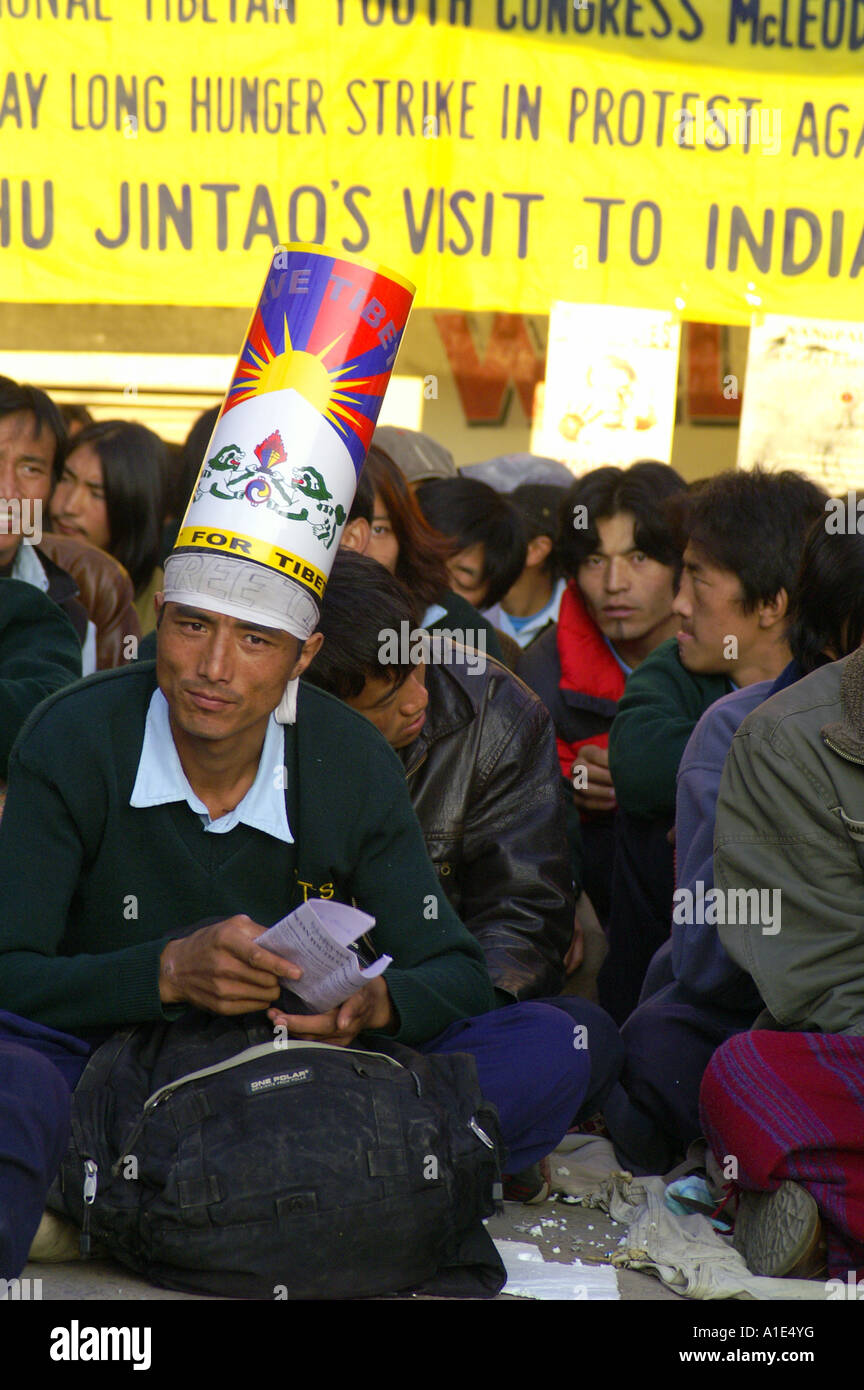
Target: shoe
779, 1234
531, 1187
56, 1241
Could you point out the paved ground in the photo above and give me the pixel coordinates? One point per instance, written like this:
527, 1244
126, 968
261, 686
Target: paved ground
578, 1234
563, 1232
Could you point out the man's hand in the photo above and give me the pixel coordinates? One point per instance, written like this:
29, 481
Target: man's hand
598, 794
370, 1007
220, 968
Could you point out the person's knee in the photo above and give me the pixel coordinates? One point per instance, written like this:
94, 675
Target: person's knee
598, 1034
35, 1105
560, 1044
36, 1100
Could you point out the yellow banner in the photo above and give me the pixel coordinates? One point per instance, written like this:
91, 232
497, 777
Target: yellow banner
702, 157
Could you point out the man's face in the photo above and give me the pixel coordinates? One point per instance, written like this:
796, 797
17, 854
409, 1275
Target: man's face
708, 603
626, 592
224, 676
26, 457
467, 570
397, 711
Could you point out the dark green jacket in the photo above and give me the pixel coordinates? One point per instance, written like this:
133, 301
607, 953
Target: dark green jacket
39, 654
657, 713
92, 889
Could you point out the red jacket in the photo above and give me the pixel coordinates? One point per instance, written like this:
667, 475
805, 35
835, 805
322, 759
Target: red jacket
573, 670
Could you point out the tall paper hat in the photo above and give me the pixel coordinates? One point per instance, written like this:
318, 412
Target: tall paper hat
280, 471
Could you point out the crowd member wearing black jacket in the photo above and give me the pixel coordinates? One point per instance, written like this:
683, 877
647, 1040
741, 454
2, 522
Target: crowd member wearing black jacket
479, 754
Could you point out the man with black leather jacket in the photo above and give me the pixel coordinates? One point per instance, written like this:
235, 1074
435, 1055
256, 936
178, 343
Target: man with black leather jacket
479, 753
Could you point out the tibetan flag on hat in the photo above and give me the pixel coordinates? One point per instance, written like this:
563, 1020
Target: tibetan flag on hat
280, 472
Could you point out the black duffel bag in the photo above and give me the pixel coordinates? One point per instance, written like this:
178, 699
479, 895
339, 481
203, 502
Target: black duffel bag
211, 1157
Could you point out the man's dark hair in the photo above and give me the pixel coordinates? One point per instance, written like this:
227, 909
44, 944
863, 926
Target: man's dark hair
14, 398
827, 608
537, 505
361, 603
133, 467
645, 490
472, 513
754, 523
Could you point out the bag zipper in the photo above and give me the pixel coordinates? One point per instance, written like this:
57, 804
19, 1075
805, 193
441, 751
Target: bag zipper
481, 1133
498, 1183
91, 1182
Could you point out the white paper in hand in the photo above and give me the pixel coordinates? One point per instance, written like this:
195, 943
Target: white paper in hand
316, 936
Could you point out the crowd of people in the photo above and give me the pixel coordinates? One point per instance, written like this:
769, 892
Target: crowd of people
629, 781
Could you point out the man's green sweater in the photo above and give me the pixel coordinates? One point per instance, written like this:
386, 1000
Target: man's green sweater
661, 706
92, 889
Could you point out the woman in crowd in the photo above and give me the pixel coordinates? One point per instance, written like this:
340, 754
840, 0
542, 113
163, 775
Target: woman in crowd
402, 541
110, 494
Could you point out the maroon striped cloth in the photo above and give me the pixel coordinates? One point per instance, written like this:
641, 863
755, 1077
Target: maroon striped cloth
791, 1105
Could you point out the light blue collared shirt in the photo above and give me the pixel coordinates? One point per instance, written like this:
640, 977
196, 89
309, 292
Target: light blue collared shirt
161, 779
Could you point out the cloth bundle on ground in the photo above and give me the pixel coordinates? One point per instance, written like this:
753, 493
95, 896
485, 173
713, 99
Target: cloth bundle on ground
685, 1252
214, 1158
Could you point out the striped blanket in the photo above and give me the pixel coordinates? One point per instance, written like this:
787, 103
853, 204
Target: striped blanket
791, 1105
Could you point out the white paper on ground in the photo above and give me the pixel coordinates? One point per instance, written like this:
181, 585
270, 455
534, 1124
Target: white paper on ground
316, 936
530, 1276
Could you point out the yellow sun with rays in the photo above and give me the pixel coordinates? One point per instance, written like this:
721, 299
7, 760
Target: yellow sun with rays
304, 372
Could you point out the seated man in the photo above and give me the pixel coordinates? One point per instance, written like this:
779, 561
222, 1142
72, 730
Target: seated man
621, 560
745, 534
32, 441
487, 534
163, 796
782, 1105
478, 751
532, 603
671, 1036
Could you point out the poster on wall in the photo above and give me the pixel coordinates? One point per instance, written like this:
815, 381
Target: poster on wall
611, 380
803, 402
